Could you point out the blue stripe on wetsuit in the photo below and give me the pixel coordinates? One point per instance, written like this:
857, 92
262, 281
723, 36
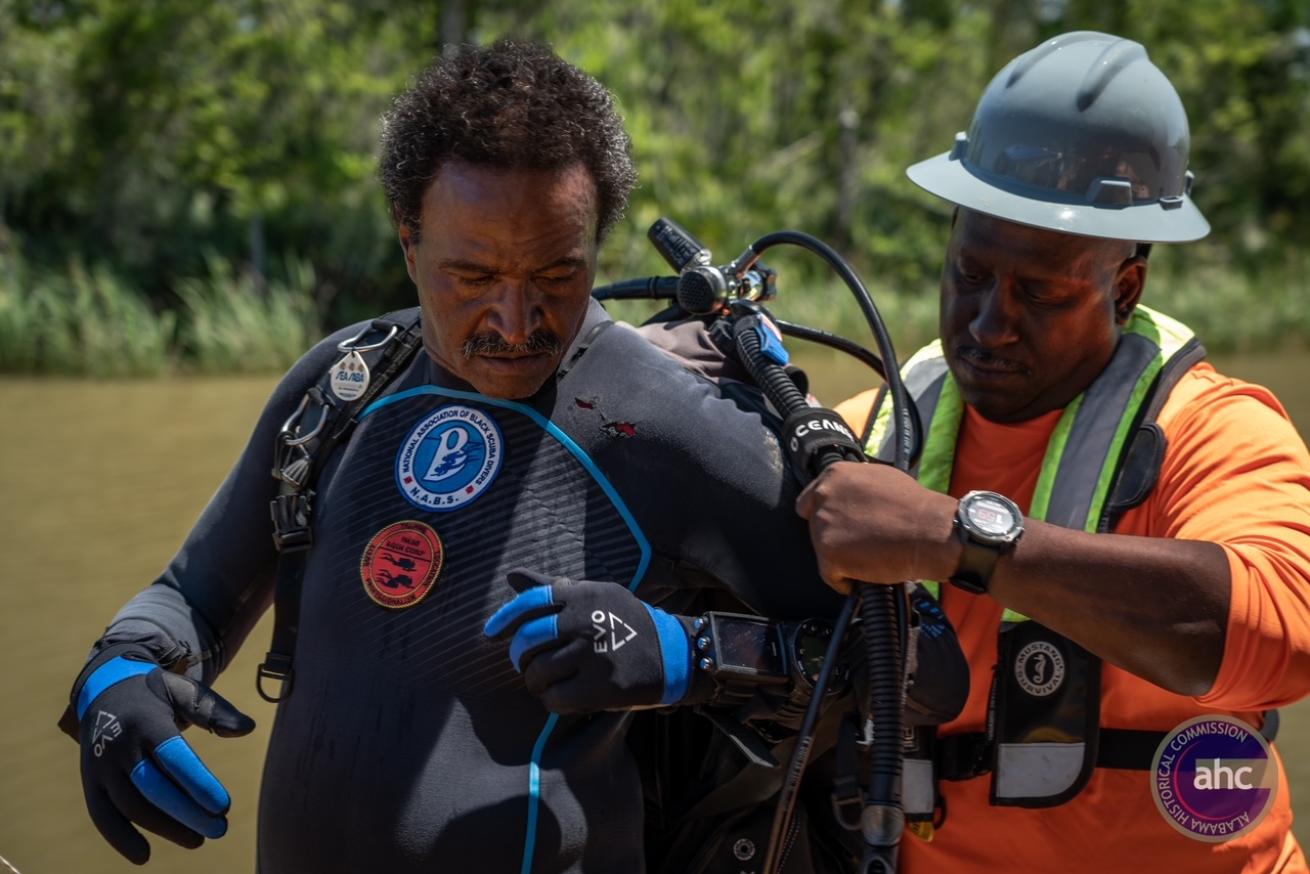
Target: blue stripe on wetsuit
534, 766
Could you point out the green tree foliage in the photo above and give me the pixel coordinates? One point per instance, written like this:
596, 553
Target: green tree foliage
150, 136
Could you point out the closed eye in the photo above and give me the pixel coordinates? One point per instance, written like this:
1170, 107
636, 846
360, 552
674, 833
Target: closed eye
1040, 295
476, 280
969, 276
559, 278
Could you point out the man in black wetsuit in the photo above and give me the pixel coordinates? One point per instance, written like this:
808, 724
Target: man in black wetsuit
500, 549
529, 432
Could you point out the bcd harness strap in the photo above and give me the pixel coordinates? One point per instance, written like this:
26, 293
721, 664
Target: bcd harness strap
319, 424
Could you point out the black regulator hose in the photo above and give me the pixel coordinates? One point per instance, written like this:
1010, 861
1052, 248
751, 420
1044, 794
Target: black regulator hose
645, 288
776, 382
881, 819
882, 610
832, 341
667, 288
901, 410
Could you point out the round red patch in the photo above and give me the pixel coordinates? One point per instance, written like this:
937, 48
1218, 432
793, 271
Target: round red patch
400, 564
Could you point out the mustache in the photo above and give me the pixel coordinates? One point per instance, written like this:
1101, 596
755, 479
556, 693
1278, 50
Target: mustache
541, 342
987, 359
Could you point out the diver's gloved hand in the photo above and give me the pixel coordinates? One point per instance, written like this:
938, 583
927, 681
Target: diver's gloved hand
136, 768
584, 645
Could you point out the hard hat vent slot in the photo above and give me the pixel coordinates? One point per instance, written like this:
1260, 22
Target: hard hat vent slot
1112, 60
1029, 59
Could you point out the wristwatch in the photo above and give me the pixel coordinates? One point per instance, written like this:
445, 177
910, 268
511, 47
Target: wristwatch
989, 525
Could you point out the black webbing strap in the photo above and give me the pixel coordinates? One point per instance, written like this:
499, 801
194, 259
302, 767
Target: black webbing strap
292, 536
848, 777
297, 461
963, 756
968, 755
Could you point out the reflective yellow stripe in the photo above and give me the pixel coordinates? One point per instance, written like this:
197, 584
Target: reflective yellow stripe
1170, 335
883, 415
938, 458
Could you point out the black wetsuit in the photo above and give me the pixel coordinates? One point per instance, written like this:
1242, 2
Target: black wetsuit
410, 744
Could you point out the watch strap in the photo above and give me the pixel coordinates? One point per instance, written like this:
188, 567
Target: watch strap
976, 564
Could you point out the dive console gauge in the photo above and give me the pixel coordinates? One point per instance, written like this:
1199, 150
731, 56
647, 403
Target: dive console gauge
739, 651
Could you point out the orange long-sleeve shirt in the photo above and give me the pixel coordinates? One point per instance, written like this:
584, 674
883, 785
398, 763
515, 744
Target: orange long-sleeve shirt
1236, 473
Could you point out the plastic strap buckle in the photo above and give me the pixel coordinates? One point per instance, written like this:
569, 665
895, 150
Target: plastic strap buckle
847, 803
291, 528
276, 666
963, 756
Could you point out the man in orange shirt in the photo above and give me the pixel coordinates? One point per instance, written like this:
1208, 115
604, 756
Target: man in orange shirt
1127, 531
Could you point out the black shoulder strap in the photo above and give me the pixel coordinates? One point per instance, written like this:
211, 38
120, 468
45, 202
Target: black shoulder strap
1139, 466
386, 346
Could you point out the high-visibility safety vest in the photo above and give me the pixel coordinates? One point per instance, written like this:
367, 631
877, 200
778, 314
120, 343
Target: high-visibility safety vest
1043, 737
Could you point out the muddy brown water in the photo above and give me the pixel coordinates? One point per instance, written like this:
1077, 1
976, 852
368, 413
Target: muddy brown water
99, 482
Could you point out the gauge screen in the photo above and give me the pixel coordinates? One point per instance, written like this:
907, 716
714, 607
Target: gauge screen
747, 645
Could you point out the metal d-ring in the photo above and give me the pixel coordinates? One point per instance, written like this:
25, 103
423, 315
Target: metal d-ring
350, 345
294, 418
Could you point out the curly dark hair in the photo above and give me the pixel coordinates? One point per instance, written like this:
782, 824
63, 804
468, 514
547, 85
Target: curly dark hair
511, 105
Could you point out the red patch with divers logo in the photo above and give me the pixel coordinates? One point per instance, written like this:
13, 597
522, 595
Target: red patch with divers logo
401, 563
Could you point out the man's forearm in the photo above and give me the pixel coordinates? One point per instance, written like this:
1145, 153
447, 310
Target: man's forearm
1157, 608
1153, 606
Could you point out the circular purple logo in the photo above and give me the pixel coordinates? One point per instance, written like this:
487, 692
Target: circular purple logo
1213, 778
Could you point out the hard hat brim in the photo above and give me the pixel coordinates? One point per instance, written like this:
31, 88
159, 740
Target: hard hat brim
1148, 223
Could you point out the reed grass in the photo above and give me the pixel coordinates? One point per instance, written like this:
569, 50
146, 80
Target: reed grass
231, 325
83, 322
88, 322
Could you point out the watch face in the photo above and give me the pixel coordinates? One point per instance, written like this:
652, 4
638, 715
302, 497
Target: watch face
989, 515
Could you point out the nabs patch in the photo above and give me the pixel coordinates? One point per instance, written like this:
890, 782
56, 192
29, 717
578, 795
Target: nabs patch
449, 458
401, 563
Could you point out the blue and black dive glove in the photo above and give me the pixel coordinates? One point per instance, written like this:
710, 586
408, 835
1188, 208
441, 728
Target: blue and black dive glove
136, 768
584, 645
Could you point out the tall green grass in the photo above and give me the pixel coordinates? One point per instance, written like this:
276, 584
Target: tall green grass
88, 322
230, 325
82, 322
